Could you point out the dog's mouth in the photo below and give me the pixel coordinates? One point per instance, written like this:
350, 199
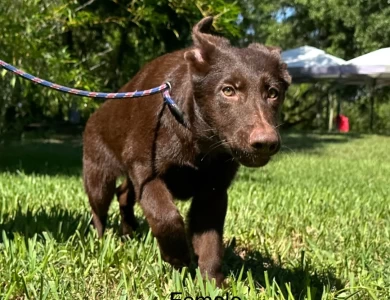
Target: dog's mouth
251, 160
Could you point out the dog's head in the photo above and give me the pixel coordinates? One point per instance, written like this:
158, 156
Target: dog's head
239, 93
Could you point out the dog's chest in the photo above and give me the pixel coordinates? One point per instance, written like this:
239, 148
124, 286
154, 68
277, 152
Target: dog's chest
182, 181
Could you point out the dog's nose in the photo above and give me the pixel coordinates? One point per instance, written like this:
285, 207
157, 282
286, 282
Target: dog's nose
266, 142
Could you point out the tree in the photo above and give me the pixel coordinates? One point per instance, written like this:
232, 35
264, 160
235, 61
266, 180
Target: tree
340, 27
93, 45
100, 45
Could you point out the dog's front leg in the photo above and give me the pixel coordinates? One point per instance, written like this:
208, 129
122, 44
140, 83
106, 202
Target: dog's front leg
206, 221
166, 222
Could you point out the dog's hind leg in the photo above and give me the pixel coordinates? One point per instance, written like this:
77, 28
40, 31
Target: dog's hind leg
126, 198
100, 188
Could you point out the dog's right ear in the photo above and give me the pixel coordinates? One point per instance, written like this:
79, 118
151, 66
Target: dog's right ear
205, 46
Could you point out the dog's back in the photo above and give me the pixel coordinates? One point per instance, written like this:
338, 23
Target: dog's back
122, 131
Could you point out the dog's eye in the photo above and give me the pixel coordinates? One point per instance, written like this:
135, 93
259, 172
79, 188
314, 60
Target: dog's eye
228, 91
273, 93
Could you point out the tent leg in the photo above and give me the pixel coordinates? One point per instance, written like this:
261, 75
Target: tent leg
372, 113
372, 107
327, 110
330, 110
338, 106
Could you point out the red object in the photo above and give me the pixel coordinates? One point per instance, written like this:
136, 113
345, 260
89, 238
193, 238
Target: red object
342, 123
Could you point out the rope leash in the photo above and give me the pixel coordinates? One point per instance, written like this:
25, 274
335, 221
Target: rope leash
164, 89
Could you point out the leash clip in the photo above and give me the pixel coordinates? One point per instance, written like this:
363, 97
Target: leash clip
173, 107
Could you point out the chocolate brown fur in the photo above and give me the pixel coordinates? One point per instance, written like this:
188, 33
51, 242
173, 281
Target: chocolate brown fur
163, 160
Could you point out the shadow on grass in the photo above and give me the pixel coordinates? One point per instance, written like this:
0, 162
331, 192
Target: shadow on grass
62, 154
60, 223
43, 157
297, 277
308, 141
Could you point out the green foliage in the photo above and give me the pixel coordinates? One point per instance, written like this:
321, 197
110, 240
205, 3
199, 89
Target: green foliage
32, 39
93, 45
100, 45
313, 224
343, 28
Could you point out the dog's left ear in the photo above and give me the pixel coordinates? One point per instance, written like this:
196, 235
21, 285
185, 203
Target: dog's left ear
263, 48
274, 51
284, 74
206, 46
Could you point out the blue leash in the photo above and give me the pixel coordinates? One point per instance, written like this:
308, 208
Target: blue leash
164, 89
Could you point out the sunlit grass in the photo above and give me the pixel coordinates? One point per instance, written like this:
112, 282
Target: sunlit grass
313, 224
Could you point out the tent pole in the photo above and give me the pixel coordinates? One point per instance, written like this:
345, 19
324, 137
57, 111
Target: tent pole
339, 106
372, 100
327, 109
330, 105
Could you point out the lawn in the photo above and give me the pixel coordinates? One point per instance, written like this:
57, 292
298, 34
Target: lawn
313, 224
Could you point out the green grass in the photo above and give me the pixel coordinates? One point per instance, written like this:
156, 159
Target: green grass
313, 224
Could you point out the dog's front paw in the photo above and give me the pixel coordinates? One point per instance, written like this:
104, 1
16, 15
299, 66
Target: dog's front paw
175, 253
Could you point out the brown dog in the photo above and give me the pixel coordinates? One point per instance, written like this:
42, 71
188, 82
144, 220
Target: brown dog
231, 98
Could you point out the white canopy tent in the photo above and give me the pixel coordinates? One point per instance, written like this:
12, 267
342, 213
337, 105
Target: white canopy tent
308, 64
372, 69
